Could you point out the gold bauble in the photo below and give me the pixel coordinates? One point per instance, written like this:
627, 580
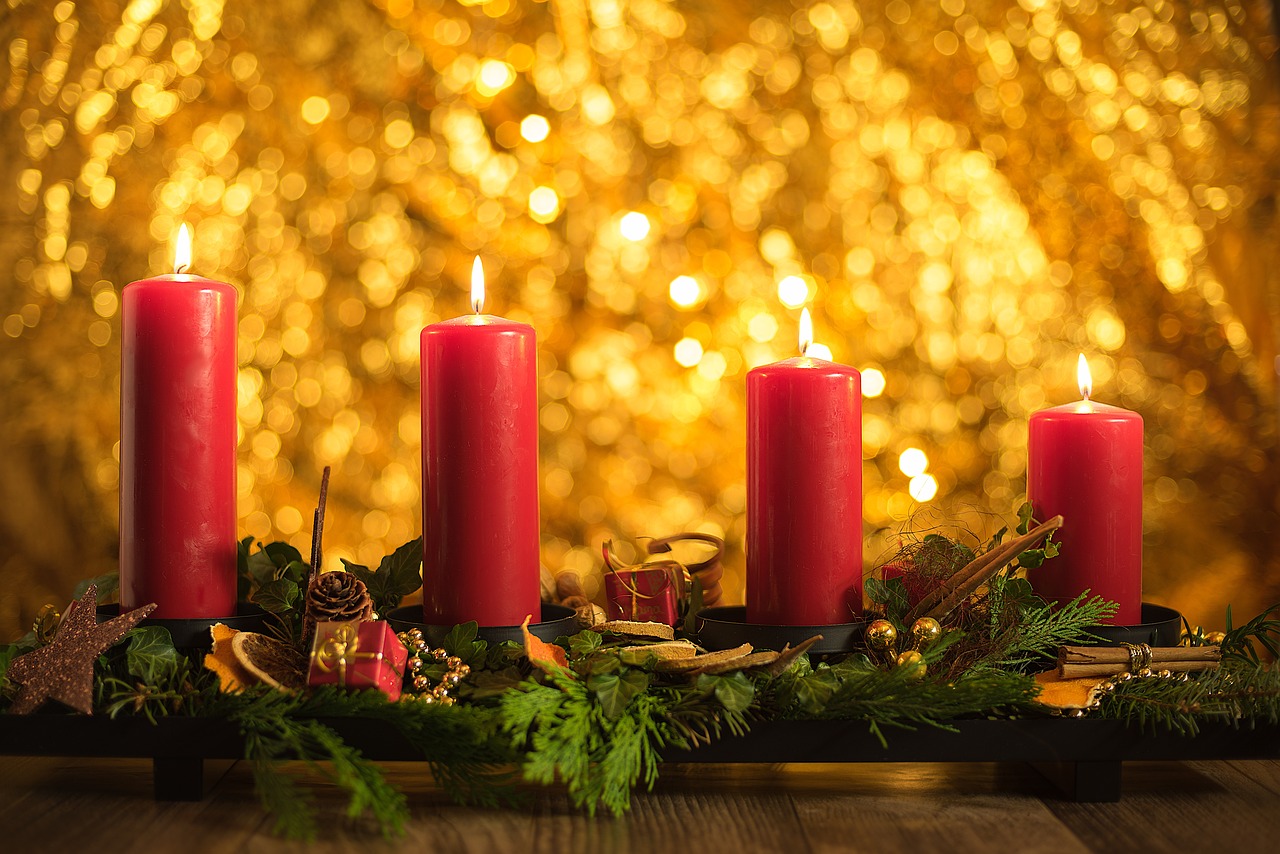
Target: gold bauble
913, 663
881, 635
925, 631
1215, 637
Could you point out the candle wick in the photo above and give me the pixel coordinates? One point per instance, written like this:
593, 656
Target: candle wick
179, 269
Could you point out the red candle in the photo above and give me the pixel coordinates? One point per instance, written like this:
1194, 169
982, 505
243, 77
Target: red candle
479, 469
1085, 463
178, 444
804, 491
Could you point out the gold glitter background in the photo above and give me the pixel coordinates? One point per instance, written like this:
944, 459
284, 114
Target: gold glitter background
967, 192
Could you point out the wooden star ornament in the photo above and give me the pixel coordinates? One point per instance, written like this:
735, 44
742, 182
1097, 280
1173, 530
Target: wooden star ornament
63, 670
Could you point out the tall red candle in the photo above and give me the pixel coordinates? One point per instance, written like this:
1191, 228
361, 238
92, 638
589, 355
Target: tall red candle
804, 491
178, 444
1085, 463
479, 469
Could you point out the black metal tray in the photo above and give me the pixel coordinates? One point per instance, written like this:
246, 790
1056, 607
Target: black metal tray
1083, 757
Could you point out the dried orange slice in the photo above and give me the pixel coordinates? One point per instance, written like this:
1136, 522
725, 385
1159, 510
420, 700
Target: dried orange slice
232, 676
271, 661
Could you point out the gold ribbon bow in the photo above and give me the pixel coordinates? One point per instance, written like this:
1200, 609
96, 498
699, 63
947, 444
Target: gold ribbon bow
676, 576
341, 648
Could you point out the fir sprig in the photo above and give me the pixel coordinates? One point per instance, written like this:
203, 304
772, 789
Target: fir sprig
856, 689
1040, 627
275, 727
1237, 693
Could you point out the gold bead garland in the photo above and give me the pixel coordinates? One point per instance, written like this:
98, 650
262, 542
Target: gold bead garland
419, 654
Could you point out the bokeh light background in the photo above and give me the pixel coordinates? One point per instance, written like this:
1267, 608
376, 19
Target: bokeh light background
967, 192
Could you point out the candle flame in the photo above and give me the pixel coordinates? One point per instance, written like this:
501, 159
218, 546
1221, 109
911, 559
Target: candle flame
477, 286
182, 250
1084, 377
806, 332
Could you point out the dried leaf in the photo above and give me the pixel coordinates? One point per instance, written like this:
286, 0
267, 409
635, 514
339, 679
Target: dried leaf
545, 656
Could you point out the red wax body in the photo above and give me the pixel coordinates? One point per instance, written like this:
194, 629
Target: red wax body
804, 493
178, 447
479, 472
1085, 463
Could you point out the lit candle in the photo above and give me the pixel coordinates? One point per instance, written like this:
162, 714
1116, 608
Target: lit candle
1085, 463
479, 468
804, 490
178, 443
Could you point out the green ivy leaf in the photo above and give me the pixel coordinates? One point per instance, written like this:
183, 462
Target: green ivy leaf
615, 691
281, 554
108, 584
260, 568
397, 576
295, 571
1024, 518
503, 655
584, 643
278, 596
404, 567
891, 595
151, 653
463, 642
734, 691
1031, 559
815, 690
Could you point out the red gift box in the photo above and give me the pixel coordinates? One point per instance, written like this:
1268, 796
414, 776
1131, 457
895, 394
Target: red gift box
358, 655
644, 594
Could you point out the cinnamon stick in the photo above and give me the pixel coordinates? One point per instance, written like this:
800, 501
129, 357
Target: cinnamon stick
973, 575
1075, 662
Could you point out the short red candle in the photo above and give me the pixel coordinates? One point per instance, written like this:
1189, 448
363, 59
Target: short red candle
480, 471
1085, 464
178, 446
804, 493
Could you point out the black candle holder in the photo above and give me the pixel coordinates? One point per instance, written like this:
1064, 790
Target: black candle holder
1160, 626
726, 627
555, 620
193, 634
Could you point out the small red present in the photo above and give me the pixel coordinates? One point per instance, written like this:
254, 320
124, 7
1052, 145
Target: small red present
645, 594
358, 655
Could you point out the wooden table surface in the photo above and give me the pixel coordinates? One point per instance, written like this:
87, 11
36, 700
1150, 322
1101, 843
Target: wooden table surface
69, 805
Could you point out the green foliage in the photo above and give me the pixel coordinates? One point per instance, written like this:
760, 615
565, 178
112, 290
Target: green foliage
1041, 628
890, 596
734, 690
151, 653
274, 730
1238, 693
1241, 643
108, 586
143, 674
398, 575
273, 577
855, 689
1030, 558
598, 752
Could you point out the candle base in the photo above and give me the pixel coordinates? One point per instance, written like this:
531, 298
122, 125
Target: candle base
1160, 626
193, 634
726, 627
554, 621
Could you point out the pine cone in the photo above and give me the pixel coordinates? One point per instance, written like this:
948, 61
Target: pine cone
337, 597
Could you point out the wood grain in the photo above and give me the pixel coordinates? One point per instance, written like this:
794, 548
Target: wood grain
59, 804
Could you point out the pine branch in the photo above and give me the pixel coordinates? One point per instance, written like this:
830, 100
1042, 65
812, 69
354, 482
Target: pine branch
1236, 693
1043, 628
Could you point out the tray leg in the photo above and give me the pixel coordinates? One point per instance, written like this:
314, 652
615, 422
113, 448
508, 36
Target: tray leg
1084, 782
178, 778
